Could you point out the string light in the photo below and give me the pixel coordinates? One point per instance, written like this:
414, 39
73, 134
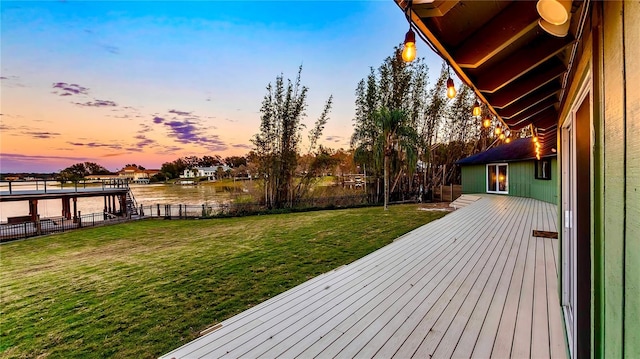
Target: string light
451, 89
477, 110
409, 50
507, 140
498, 131
486, 123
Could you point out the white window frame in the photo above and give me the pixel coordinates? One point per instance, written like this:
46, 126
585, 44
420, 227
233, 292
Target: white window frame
486, 176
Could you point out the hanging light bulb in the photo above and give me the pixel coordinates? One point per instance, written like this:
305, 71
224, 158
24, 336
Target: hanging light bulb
502, 136
535, 139
486, 123
507, 140
477, 110
409, 50
451, 89
498, 130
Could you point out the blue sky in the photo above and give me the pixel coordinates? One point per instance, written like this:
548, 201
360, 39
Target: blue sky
117, 82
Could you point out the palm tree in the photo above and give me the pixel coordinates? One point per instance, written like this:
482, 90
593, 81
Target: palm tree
396, 142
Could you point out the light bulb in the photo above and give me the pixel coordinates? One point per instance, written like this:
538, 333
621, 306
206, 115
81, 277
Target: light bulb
486, 123
498, 130
409, 50
535, 139
502, 136
508, 140
451, 89
477, 111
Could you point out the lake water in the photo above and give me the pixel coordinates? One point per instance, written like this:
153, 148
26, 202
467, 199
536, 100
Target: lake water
149, 194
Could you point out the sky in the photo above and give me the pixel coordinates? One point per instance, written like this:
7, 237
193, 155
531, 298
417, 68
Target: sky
147, 82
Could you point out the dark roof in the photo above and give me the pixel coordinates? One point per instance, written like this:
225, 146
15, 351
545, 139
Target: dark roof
518, 150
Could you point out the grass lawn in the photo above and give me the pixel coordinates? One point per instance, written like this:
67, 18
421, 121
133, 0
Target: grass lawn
141, 289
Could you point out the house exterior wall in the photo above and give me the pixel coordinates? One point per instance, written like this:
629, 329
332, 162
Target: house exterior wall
522, 182
616, 206
474, 178
611, 52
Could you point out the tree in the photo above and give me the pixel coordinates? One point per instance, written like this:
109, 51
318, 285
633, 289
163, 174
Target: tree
235, 161
397, 142
277, 143
397, 87
80, 170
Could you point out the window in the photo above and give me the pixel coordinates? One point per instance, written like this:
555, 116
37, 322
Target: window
497, 178
543, 169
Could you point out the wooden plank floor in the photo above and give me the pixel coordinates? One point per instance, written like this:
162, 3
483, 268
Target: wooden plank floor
475, 283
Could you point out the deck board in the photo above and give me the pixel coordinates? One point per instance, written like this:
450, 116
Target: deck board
474, 283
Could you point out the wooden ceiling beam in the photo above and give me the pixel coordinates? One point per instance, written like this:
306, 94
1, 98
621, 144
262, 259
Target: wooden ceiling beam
509, 25
542, 109
433, 8
511, 68
527, 84
529, 101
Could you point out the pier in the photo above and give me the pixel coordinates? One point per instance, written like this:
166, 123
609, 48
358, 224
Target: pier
118, 200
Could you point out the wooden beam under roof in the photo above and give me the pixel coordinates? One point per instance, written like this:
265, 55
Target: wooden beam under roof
433, 8
518, 89
512, 23
511, 68
530, 100
541, 109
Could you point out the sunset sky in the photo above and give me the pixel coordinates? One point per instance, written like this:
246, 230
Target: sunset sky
146, 82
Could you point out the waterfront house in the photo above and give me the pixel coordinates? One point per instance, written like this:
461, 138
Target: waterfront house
512, 169
136, 174
570, 71
209, 172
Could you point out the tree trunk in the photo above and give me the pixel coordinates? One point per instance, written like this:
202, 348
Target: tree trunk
386, 182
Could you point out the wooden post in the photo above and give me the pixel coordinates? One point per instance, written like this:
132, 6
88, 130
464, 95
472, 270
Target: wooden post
38, 225
33, 209
75, 209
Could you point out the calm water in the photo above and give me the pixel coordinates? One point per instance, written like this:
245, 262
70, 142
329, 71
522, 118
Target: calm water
144, 194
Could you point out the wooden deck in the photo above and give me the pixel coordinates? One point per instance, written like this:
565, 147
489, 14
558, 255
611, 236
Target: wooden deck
475, 283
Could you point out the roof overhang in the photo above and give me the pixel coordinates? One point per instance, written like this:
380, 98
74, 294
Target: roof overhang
499, 49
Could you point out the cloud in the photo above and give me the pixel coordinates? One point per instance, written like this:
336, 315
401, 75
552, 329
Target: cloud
41, 134
69, 89
115, 154
29, 158
335, 139
96, 145
188, 132
242, 145
180, 113
158, 119
143, 142
111, 49
97, 103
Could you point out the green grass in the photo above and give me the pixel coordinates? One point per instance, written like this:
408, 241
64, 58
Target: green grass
141, 289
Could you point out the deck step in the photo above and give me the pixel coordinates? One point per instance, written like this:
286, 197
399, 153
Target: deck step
463, 201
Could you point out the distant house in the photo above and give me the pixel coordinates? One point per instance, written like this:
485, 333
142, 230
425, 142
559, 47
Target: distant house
512, 169
135, 174
209, 172
106, 177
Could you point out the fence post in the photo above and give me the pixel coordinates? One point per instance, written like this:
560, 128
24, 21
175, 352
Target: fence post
38, 225
158, 209
79, 219
24, 226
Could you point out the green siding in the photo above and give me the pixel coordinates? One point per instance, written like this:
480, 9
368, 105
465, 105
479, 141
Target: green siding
613, 181
632, 238
522, 182
474, 179
617, 177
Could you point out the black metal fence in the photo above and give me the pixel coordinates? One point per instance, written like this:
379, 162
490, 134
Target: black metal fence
183, 211
40, 227
9, 232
